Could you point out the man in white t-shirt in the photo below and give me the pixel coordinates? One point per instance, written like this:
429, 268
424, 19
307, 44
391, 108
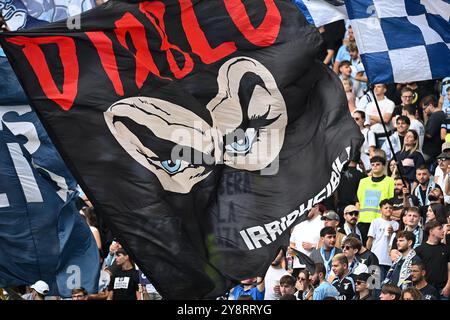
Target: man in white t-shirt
380, 236
306, 235
386, 107
273, 275
441, 175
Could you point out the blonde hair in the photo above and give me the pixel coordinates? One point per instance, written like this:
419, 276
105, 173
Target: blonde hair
416, 138
341, 258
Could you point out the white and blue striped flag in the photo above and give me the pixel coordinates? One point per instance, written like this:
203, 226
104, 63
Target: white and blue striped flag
399, 40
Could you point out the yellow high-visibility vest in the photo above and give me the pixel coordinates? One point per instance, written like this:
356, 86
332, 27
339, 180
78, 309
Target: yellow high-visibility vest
369, 196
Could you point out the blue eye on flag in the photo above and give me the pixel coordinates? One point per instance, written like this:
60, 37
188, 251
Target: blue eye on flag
173, 167
170, 166
244, 144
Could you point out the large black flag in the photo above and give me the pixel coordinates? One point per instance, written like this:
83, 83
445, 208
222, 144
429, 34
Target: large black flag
201, 130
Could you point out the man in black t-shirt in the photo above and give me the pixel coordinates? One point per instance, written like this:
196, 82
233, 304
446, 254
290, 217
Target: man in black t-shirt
432, 142
418, 273
343, 283
364, 255
124, 283
436, 257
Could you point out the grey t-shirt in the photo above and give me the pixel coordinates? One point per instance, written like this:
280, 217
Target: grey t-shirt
317, 257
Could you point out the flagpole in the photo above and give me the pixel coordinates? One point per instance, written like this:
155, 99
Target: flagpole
399, 167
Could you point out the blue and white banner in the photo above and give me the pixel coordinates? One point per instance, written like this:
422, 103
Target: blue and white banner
24, 124
17, 16
27, 14
399, 40
321, 12
11, 93
403, 40
42, 235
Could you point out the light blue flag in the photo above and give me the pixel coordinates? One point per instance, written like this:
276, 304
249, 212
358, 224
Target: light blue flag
42, 235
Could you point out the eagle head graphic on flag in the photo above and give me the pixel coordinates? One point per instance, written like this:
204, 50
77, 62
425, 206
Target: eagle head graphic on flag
201, 130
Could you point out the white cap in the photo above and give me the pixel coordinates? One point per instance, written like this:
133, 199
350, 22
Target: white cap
41, 287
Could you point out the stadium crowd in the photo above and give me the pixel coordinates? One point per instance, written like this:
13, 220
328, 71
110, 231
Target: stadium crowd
385, 232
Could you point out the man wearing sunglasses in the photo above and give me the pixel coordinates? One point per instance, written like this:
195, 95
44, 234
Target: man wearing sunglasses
362, 287
351, 214
407, 97
442, 179
350, 248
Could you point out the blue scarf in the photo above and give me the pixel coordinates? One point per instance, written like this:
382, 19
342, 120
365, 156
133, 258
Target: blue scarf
416, 192
326, 262
418, 232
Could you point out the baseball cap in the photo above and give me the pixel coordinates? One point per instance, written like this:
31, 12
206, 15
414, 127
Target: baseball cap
445, 146
350, 208
41, 287
363, 276
331, 215
443, 155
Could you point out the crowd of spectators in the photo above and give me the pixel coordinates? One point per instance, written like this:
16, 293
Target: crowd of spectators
385, 232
